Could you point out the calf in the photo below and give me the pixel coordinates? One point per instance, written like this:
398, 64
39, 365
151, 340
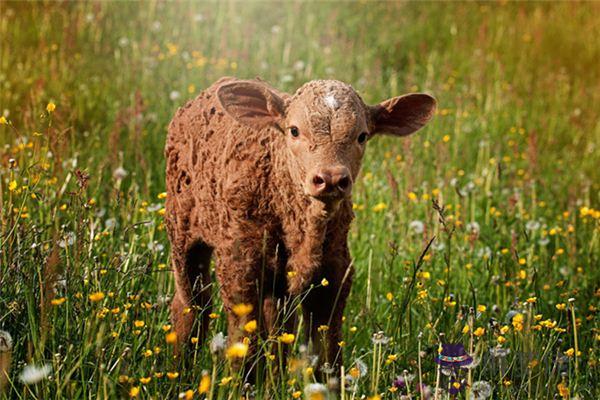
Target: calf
261, 180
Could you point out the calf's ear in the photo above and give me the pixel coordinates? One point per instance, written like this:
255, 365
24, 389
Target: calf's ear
403, 115
251, 103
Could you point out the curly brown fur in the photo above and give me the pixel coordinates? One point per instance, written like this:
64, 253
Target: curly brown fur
272, 208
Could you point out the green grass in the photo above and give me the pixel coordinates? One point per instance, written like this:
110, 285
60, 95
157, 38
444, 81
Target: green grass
513, 148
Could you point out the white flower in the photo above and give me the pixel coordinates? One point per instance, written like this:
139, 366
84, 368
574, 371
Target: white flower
123, 42
110, 223
120, 173
174, 95
484, 252
438, 246
499, 352
68, 240
326, 368
198, 18
473, 227
362, 368
544, 241
217, 343
532, 225
33, 373
417, 227
155, 246
299, 65
315, 391
380, 338
480, 390
6, 342
154, 207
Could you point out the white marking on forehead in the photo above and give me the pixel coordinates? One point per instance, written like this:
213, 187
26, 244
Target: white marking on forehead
331, 101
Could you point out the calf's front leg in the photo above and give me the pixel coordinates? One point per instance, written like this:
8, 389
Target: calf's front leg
323, 307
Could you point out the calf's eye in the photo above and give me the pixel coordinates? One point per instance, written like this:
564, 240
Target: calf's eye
362, 137
294, 131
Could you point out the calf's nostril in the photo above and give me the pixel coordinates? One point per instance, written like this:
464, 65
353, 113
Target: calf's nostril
344, 182
318, 180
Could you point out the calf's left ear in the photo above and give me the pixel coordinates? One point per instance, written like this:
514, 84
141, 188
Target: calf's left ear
403, 115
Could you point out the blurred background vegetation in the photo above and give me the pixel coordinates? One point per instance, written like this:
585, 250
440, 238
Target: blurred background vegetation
512, 154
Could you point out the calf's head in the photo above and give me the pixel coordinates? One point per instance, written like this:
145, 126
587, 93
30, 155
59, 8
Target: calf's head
326, 126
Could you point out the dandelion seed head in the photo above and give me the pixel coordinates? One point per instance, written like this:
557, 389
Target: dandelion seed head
32, 373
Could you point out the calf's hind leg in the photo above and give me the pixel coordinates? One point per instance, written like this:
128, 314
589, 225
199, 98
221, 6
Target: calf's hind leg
192, 290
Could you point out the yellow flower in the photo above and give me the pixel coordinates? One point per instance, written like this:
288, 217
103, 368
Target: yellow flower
162, 195
241, 310
134, 391
561, 306
325, 282
481, 308
446, 138
204, 386
412, 196
237, 350
145, 380
96, 296
139, 324
424, 275
296, 394
213, 315
12, 186
517, 321
148, 353
287, 338
563, 390
465, 329
250, 326
172, 375
379, 207
501, 339
3, 120
51, 107
389, 296
522, 274
532, 300
226, 380
570, 352
479, 332
58, 301
166, 327
171, 337
189, 394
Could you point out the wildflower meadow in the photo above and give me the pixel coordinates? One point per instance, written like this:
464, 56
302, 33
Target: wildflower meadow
476, 241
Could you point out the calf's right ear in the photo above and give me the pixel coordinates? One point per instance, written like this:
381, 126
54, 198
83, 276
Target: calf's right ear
251, 103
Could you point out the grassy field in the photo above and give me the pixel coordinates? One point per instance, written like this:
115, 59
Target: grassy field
511, 159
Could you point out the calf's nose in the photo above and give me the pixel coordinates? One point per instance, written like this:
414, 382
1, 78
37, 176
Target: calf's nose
331, 181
